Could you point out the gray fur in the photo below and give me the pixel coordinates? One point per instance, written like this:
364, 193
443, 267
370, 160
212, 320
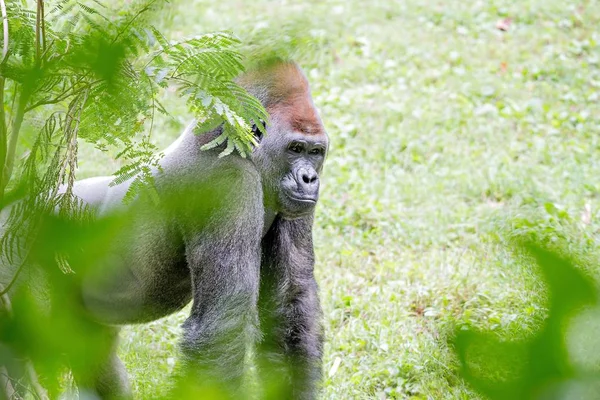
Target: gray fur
228, 236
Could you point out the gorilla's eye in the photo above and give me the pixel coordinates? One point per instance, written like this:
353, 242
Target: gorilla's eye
315, 151
296, 147
257, 132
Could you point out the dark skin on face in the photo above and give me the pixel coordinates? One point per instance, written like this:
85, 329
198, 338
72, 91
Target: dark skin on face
305, 157
297, 142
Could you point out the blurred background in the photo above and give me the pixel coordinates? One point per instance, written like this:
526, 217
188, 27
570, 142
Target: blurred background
455, 126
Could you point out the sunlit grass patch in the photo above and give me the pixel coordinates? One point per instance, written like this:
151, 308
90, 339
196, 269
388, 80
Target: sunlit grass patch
446, 134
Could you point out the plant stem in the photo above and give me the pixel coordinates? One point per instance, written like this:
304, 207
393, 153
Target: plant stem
38, 16
12, 146
5, 29
3, 138
43, 21
39, 391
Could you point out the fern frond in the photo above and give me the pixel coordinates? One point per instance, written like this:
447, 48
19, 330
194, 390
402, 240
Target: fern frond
99, 80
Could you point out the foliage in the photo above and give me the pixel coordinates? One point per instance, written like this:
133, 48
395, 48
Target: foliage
447, 135
45, 328
44, 321
97, 79
539, 366
74, 73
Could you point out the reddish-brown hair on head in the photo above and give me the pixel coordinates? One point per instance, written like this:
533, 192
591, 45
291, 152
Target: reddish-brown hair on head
275, 82
283, 89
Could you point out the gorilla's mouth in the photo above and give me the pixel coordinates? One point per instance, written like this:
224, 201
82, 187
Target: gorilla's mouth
296, 194
304, 199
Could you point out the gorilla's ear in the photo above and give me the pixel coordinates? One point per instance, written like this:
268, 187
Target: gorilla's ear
258, 131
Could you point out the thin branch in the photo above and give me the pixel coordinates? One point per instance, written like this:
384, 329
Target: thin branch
38, 17
132, 20
14, 383
73, 90
4, 291
35, 382
71, 156
63, 96
3, 138
43, 28
38, 391
12, 146
153, 105
7, 390
5, 28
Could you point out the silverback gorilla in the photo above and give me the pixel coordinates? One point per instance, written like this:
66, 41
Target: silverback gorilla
238, 245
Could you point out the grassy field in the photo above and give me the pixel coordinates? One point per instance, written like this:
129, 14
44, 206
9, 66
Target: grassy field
447, 135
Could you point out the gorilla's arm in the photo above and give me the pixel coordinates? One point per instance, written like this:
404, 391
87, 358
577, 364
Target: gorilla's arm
91, 190
289, 312
98, 194
223, 254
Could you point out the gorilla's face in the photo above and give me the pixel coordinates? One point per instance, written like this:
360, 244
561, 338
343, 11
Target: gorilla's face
290, 158
299, 187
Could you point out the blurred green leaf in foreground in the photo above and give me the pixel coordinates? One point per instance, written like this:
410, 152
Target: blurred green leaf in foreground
560, 361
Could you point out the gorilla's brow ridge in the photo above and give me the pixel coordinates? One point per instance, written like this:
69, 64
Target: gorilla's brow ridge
306, 126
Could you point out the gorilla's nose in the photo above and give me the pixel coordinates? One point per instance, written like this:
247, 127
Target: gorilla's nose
308, 180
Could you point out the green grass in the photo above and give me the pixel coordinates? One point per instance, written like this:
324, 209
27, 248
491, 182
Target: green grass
446, 134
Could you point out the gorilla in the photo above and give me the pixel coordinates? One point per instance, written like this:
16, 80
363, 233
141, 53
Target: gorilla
232, 235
